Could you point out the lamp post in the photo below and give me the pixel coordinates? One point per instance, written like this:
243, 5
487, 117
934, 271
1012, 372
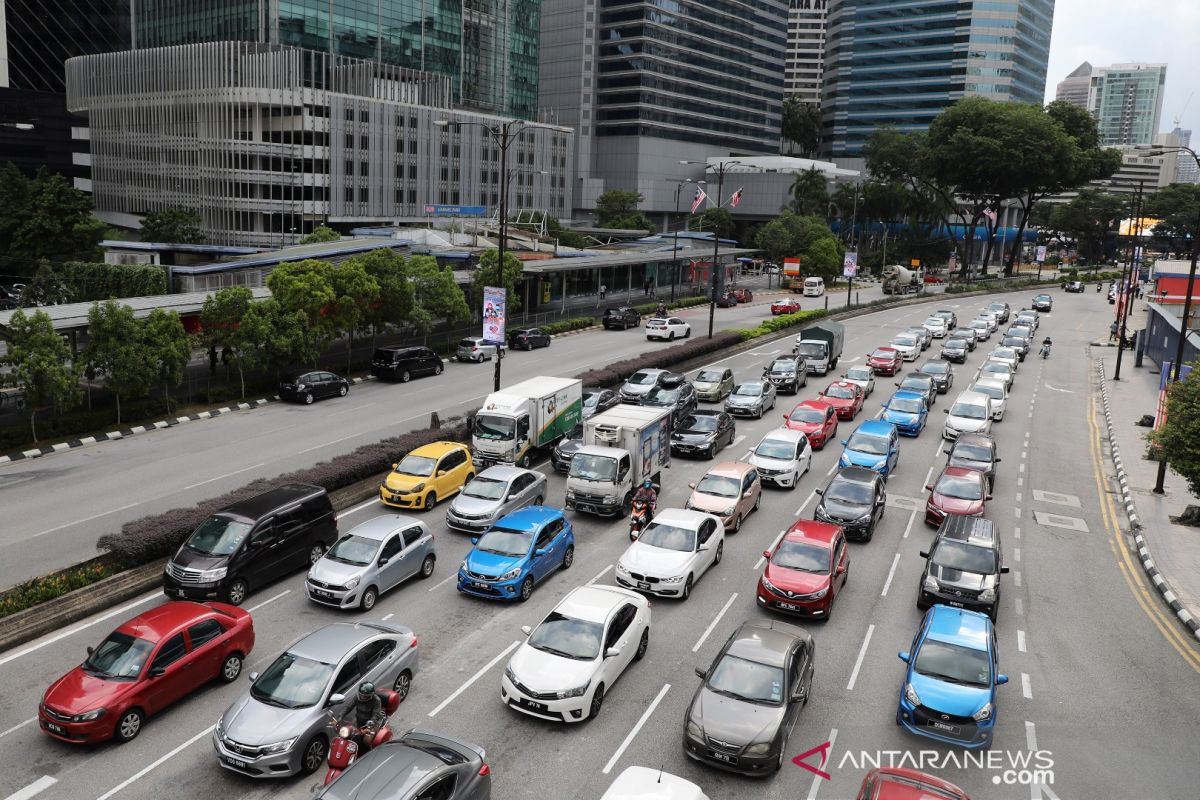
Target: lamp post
721, 168
1127, 284
675, 245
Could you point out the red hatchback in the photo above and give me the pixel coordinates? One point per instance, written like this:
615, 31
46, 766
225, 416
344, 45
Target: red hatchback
958, 490
806, 570
896, 783
786, 305
845, 397
885, 361
142, 667
817, 419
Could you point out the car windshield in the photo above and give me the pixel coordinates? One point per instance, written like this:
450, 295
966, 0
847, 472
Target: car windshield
1042, 297
659, 396
959, 487
747, 680
709, 376
973, 452
748, 389
935, 322
593, 468
643, 378
956, 343
292, 681
997, 307
776, 448
668, 537
470, 343
1004, 352
354, 550
218, 536
816, 349
120, 656
783, 365
806, 414
505, 542
968, 411
998, 367
953, 663
1014, 341
719, 485
564, 636
905, 341
656, 321
934, 368
858, 374
843, 392
801, 556
844, 491
591, 399
884, 354
485, 488
914, 384
952, 554
868, 443
979, 324
906, 405
493, 426
420, 466
996, 392
704, 424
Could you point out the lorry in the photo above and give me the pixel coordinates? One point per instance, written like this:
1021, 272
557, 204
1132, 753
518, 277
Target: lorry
821, 345
903, 280
621, 447
514, 424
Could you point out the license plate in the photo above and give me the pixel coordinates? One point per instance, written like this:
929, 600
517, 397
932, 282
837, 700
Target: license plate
532, 706
943, 726
181, 592
323, 593
478, 585
585, 507
955, 603
236, 762
789, 607
59, 729
643, 585
724, 758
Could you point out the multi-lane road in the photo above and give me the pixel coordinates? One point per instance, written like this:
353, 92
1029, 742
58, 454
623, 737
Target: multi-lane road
1103, 683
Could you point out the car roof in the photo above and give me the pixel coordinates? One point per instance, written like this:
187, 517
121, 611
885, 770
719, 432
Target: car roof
393, 769
159, 622
436, 449
730, 469
643, 783
874, 427
819, 405
974, 398
681, 517
530, 517
502, 472
999, 384
647, 371
963, 472
918, 375
898, 783
972, 530
907, 394
885, 349
959, 626
330, 643
785, 434
592, 603
810, 530
705, 412
976, 439
942, 365
855, 475
257, 507
847, 384
766, 641
380, 528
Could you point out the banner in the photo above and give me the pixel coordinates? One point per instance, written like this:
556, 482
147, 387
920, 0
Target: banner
850, 265
1164, 380
1041, 254
494, 302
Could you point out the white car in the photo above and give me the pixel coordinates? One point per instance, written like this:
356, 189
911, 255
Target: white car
562, 671
937, 327
971, 413
670, 555
667, 328
983, 329
782, 457
1009, 355
643, 783
908, 345
862, 375
996, 390
1027, 316
997, 370
992, 317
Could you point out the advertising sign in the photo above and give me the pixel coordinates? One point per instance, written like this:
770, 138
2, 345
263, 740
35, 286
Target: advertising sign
494, 302
455, 211
1041, 254
850, 265
914, 262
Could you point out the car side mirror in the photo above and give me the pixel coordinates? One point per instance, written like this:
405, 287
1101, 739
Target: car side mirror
525, 629
612, 652
841, 570
700, 673
929, 487
1001, 680
819, 491
844, 441
692, 485
539, 552
336, 698
997, 460
383, 560
474, 540
903, 656
924, 554
704, 546
987, 497
90, 650
395, 465
948, 450
157, 672
441, 473
1004, 570
946, 411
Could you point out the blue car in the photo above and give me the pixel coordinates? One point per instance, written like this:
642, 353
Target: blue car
517, 553
874, 445
949, 689
907, 411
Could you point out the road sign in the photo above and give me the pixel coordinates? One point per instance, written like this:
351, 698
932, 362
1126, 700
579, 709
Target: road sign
455, 211
850, 265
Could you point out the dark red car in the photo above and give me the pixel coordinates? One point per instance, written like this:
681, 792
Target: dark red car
818, 420
958, 490
806, 570
897, 783
142, 667
885, 361
845, 397
785, 305
743, 295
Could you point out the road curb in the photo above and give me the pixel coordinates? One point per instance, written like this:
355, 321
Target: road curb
1135, 523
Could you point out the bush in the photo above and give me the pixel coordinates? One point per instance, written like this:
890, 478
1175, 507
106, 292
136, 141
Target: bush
569, 325
39, 590
646, 309
616, 373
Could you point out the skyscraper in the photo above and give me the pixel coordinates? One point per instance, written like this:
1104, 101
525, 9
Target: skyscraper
806, 50
1073, 89
1188, 171
1126, 100
891, 63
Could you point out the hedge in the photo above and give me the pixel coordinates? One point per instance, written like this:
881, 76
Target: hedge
616, 373
646, 309
569, 325
39, 590
98, 281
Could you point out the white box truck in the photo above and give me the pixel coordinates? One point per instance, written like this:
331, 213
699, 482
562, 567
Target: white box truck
514, 424
621, 447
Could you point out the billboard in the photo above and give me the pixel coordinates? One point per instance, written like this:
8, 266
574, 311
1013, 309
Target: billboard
850, 265
1041, 254
494, 312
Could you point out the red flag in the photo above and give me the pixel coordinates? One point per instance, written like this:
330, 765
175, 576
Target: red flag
987, 212
700, 195
735, 199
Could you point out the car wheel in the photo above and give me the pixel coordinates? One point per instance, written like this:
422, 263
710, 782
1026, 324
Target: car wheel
757, 502
737, 523
526, 588
568, 558
314, 755
526, 460
759, 415
406, 376
597, 702
671, 336
231, 668
427, 566
129, 725
688, 332
643, 644
778, 762
438, 369
720, 552
345, 390
368, 599
430, 501
795, 480
537, 501
687, 588
308, 398
315, 553
711, 453
480, 359
402, 685
236, 593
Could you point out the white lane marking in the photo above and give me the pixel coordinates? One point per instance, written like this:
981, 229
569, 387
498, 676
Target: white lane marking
832, 469
17, 727
1024, 454
37, 787
327, 444
741, 438
928, 477
1016, 531
1017, 579
1056, 389
862, 652
908, 528
1016, 554
1021, 640
144, 771
1018, 497
78, 628
891, 573
444, 581
713, 624
1030, 414
1020, 481
226, 475
1021, 467
474, 678
354, 410
760, 353
636, 728
1017, 512
358, 507
1020, 607
601, 574
389, 616
252, 609
816, 781
1026, 688
807, 500
938, 448
81, 521
849, 360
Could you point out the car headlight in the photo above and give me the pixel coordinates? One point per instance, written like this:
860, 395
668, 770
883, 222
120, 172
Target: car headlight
215, 574
988, 594
621, 568
674, 579
729, 511
279, 747
770, 587
300, 387
931, 584
219, 728
820, 594
570, 494
350, 584
512, 573
578, 691
758, 749
508, 673
910, 694
610, 498
89, 716
419, 487
983, 714
695, 731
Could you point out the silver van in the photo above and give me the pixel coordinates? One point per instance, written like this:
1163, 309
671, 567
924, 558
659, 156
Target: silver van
475, 348
493, 493
372, 558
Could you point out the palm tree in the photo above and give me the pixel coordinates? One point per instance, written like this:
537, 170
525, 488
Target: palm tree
809, 195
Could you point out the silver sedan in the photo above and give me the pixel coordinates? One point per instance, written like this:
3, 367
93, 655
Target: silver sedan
751, 399
493, 493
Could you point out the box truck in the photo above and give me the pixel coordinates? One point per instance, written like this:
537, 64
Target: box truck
514, 424
621, 447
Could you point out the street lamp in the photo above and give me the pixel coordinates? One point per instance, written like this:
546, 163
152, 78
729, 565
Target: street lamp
502, 134
721, 168
675, 246
1127, 282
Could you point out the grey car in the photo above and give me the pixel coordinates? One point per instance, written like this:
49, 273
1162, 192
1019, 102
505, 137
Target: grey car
974, 451
493, 493
751, 399
742, 714
281, 726
639, 384
372, 558
420, 765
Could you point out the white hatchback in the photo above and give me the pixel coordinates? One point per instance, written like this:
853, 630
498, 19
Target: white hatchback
782, 457
670, 555
667, 328
937, 327
908, 345
996, 390
862, 375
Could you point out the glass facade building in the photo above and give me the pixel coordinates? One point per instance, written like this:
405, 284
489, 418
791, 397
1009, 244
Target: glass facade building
806, 50
1126, 100
40, 35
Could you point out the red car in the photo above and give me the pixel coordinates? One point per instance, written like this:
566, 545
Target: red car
806, 570
958, 490
896, 783
786, 305
885, 361
144, 666
845, 397
743, 295
818, 420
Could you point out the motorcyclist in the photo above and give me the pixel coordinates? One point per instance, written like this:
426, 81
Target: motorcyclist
662, 310
647, 495
368, 714
1045, 347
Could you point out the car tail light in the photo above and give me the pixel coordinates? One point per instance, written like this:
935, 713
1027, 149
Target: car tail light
484, 771
414, 642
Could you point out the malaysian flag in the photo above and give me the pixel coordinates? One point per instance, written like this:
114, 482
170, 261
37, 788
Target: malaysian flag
990, 214
700, 195
735, 199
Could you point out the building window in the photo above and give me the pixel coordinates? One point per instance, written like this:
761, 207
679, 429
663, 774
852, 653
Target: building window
412, 122
364, 194
412, 195
349, 141
350, 168
445, 173
454, 197
445, 150
349, 115
399, 171
399, 145
364, 116
412, 172
362, 169
349, 194
364, 142
399, 196
412, 146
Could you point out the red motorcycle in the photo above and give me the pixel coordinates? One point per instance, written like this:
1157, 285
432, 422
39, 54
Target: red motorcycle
343, 750
638, 518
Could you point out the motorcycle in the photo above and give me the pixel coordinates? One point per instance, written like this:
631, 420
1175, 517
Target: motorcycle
1045, 351
1098, 287
344, 748
638, 518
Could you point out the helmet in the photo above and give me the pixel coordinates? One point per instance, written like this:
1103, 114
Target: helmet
366, 689
647, 484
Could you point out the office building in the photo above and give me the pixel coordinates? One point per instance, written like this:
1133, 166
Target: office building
1188, 171
1074, 88
1126, 100
806, 50
901, 64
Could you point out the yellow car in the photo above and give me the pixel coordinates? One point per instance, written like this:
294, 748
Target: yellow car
428, 474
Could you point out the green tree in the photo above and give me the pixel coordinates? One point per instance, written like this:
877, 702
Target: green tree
777, 239
319, 234
117, 350
509, 278
221, 318
40, 364
565, 236
1178, 206
173, 226
1178, 438
45, 218
713, 219
790, 235
307, 286
823, 258
394, 307
169, 348
1089, 219
437, 294
801, 127
617, 208
46, 288
809, 193
355, 292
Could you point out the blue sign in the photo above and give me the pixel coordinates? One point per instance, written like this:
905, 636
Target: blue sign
455, 211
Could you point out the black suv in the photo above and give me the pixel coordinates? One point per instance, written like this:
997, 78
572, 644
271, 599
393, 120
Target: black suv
963, 566
405, 363
787, 373
306, 386
974, 451
1043, 302
854, 498
674, 392
623, 318
528, 338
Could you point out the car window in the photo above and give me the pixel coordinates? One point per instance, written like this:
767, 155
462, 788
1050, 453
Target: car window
347, 677
441, 789
171, 651
707, 529
373, 653
620, 624
391, 547
546, 536
411, 535
203, 632
288, 521
748, 481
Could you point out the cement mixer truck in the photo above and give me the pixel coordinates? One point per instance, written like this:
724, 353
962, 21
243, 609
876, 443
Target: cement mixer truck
902, 280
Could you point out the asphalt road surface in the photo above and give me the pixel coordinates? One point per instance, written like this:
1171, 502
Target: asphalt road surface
1103, 682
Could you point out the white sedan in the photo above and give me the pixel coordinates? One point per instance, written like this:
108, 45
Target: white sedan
937, 327
908, 345
675, 549
667, 328
864, 376
563, 670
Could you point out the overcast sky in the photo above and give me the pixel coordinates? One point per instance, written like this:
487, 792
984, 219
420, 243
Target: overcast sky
1107, 32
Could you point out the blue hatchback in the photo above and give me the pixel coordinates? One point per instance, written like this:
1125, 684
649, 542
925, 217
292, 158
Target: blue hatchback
518, 552
949, 689
873, 445
906, 410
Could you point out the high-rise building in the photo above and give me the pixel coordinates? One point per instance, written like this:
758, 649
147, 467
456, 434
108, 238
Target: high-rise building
806, 50
1073, 89
1189, 170
1126, 100
901, 64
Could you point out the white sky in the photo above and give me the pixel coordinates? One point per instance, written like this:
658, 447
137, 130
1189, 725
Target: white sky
1107, 32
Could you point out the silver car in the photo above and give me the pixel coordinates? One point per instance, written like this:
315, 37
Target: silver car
421, 765
639, 384
475, 348
493, 493
751, 399
281, 726
922, 333
372, 558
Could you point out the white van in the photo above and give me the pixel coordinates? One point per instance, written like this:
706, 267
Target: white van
814, 287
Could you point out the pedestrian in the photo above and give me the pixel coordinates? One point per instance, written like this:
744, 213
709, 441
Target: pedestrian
1112, 331
646, 287
603, 291
212, 360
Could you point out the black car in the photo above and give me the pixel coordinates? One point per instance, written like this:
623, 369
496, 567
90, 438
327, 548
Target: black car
528, 338
922, 384
948, 315
307, 386
854, 498
942, 374
703, 433
597, 400
963, 566
727, 299
621, 318
787, 373
405, 363
674, 393
1018, 343
565, 448
1043, 302
975, 451
9, 299
955, 349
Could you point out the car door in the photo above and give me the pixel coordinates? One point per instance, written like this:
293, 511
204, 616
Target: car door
172, 674
441, 788
267, 557
799, 674
205, 645
706, 535
749, 492
544, 564
346, 683
841, 560
725, 428
445, 474
619, 636
803, 456
415, 543
520, 492
390, 565
376, 662
290, 530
